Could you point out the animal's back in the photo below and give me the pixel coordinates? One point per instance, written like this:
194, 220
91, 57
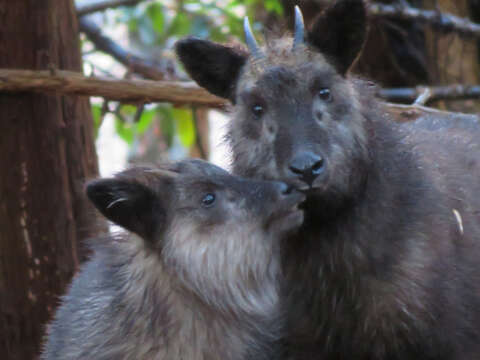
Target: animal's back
448, 147
88, 306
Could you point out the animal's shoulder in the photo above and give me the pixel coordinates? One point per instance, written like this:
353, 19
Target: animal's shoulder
448, 151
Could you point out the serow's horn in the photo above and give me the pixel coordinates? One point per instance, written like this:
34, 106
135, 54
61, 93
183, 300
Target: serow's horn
299, 34
250, 40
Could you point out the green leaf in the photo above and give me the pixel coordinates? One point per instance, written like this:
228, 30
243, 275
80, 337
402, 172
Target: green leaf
125, 131
145, 121
128, 110
185, 126
97, 117
155, 12
167, 124
274, 6
180, 25
133, 25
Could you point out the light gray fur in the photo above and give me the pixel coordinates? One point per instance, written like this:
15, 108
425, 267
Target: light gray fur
208, 293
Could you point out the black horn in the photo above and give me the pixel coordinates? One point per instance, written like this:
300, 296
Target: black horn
250, 40
299, 34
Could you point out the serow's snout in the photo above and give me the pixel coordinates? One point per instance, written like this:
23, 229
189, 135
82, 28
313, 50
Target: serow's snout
283, 213
307, 166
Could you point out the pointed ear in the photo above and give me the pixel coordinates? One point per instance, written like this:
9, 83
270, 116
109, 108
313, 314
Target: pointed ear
129, 204
340, 31
213, 66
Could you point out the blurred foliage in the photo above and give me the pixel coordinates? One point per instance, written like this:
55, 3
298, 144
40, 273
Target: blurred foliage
162, 23
158, 25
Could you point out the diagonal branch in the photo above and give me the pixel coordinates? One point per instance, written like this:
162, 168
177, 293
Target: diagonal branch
103, 43
89, 9
442, 21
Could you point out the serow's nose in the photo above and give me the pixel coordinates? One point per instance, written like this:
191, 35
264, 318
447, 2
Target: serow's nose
307, 166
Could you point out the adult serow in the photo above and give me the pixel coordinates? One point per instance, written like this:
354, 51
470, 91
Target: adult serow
387, 262
194, 277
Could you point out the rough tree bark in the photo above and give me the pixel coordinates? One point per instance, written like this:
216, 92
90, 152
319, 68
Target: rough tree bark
453, 58
46, 151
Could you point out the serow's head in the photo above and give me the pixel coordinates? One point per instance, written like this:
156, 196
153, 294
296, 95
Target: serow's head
297, 115
208, 227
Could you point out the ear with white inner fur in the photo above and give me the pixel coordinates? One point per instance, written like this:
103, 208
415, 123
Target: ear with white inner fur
129, 204
340, 31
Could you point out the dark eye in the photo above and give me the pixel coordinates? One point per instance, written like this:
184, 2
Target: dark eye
325, 94
208, 200
257, 110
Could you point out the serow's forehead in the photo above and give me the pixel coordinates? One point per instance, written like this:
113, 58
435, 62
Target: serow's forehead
199, 168
286, 77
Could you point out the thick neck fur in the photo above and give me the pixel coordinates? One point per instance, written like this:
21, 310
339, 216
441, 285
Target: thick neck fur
171, 322
367, 284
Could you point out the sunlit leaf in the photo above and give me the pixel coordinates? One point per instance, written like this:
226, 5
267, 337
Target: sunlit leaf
155, 12
133, 25
125, 131
157, 25
145, 121
128, 110
185, 126
167, 124
180, 25
97, 117
274, 6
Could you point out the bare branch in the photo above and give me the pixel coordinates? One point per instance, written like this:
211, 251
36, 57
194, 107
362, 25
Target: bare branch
442, 21
405, 113
176, 92
139, 113
126, 91
133, 63
109, 4
424, 97
448, 92
198, 134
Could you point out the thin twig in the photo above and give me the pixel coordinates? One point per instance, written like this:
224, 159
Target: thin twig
118, 113
198, 135
448, 92
442, 21
139, 113
105, 107
423, 98
132, 62
104, 5
104, 110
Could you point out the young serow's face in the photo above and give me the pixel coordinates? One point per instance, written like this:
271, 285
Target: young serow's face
297, 116
208, 201
212, 230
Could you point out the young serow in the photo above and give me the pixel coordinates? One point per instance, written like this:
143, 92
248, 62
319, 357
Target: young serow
195, 275
387, 263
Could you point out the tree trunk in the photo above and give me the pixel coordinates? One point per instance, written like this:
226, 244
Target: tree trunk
202, 147
453, 59
46, 152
